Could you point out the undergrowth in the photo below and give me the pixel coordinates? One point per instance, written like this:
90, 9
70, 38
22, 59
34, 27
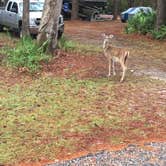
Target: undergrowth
141, 23
25, 54
159, 34
144, 23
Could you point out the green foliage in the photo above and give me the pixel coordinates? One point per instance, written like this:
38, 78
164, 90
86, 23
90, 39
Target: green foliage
66, 44
142, 23
26, 54
159, 34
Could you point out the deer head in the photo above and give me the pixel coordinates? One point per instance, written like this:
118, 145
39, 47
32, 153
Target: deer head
107, 39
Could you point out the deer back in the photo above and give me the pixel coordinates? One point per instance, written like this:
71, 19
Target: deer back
115, 53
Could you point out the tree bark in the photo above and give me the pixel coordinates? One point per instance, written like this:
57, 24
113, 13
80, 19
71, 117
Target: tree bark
25, 20
48, 30
131, 3
116, 4
161, 13
141, 3
74, 12
154, 4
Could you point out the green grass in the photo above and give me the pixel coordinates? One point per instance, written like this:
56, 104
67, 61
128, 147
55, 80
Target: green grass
71, 45
26, 54
37, 118
40, 118
42, 111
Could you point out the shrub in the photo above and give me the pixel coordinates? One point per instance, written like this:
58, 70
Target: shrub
141, 23
26, 54
159, 34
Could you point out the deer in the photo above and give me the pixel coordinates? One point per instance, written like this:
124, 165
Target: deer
115, 54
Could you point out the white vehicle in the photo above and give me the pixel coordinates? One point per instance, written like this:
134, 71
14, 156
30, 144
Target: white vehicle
11, 16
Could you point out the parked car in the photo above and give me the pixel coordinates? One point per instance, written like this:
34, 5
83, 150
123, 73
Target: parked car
129, 13
11, 16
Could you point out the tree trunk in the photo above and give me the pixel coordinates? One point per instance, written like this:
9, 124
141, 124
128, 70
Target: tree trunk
3, 2
116, 4
25, 20
48, 30
131, 3
141, 3
74, 12
161, 13
154, 4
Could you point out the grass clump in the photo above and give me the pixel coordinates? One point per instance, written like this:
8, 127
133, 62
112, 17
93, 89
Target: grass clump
70, 45
66, 44
26, 54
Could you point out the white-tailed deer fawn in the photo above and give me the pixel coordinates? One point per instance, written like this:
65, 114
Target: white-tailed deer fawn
115, 54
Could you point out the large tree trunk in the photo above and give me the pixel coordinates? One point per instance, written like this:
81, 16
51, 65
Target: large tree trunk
48, 30
25, 20
74, 12
161, 13
116, 4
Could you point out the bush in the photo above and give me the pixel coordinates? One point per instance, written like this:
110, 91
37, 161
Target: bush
26, 54
142, 23
159, 34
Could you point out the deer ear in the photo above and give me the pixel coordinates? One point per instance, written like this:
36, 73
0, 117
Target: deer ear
103, 35
111, 36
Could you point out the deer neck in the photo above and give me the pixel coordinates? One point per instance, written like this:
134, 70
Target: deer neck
105, 46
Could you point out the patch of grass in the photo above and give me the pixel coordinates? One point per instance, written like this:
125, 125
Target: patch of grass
25, 55
7, 40
39, 119
71, 45
40, 114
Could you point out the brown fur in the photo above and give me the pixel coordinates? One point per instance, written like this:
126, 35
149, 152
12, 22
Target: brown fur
115, 54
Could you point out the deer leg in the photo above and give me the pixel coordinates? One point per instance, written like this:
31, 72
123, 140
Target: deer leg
124, 68
113, 67
109, 68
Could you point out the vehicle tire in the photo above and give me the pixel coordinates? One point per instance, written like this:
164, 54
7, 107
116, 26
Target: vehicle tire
1, 28
93, 17
123, 21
